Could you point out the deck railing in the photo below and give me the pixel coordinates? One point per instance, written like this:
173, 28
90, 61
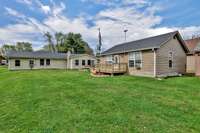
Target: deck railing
112, 68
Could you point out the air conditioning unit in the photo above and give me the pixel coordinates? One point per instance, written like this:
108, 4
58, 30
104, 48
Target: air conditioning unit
138, 67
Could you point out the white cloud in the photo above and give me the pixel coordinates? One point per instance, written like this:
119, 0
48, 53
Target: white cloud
44, 8
14, 12
112, 22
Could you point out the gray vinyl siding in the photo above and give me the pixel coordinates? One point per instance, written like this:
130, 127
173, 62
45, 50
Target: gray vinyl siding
179, 59
147, 68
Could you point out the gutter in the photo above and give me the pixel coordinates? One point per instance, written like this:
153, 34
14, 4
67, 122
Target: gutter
121, 52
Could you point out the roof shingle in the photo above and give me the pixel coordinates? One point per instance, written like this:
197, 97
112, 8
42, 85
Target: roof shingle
192, 44
37, 54
143, 44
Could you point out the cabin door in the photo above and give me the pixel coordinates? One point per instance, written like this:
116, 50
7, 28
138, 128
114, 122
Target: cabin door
197, 65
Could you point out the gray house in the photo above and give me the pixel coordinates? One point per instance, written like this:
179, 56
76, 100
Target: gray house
158, 56
48, 60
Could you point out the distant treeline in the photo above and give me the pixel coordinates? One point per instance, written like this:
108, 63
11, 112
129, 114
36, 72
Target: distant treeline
59, 42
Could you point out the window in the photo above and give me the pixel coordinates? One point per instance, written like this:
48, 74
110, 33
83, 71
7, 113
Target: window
89, 62
17, 62
48, 62
116, 59
109, 59
76, 62
41, 62
138, 60
170, 59
135, 59
92, 63
31, 62
83, 62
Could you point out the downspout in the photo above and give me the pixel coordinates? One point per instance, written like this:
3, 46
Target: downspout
155, 62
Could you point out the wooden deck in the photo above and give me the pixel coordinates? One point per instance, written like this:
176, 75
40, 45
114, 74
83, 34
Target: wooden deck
112, 68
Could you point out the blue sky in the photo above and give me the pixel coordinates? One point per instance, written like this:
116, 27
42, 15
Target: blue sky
27, 20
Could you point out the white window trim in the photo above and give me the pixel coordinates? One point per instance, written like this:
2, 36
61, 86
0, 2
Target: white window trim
134, 58
118, 60
109, 58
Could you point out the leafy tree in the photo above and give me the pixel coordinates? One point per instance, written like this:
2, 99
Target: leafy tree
88, 50
7, 47
75, 43
59, 36
49, 39
24, 46
20, 46
67, 42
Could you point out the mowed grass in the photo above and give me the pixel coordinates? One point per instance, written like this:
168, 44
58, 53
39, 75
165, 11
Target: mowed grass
59, 101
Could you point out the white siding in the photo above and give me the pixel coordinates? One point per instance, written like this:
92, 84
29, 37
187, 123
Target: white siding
24, 64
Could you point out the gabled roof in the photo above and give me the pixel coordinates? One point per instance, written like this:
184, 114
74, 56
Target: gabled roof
197, 48
37, 54
192, 44
145, 44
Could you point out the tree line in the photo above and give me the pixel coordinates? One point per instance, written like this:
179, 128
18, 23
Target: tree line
20, 46
59, 42
63, 43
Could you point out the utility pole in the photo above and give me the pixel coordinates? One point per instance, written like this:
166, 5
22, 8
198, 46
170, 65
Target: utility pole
98, 52
100, 43
125, 31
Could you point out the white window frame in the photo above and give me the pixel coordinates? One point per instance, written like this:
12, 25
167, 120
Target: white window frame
109, 59
132, 56
172, 58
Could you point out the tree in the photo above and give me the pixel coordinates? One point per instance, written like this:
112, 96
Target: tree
67, 42
59, 36
24, 46
7, 47
88, 50
49, 39
20, 46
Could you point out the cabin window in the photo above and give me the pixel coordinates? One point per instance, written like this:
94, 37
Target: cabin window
170, 59
92, 63
109, 59
138, 59
135, 59
48, 62
31, 62
41, 62
89, 62
17, 63
83, 62
76, 62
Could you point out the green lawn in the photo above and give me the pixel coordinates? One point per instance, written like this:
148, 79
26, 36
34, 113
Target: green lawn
70, 101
